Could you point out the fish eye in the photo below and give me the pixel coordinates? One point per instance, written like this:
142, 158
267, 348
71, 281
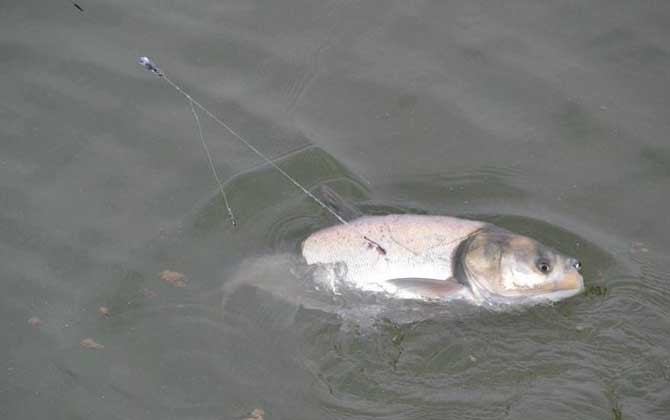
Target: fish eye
544, 266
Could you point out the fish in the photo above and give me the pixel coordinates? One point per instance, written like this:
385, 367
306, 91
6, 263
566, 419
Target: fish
443, 258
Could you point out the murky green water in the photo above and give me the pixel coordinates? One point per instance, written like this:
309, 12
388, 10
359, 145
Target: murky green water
549, 118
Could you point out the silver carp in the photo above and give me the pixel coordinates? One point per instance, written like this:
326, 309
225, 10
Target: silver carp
442, 258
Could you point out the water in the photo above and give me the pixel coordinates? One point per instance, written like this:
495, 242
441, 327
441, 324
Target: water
548, 118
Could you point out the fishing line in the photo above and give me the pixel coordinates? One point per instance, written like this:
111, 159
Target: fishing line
149, 65
211, 164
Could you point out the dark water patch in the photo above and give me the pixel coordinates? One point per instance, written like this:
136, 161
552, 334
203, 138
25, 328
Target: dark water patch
210, 51
579, 125
612, 37
254, 192
15, 203
454, 191
284, 77
625, 47
656, 160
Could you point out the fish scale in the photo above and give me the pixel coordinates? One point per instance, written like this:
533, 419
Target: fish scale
416, 246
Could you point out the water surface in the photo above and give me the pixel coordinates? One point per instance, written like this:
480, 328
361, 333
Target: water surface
548, 118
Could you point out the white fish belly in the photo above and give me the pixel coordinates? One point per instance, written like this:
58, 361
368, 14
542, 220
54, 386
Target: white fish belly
413, 246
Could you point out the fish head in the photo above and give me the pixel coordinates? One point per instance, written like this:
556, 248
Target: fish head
501, 265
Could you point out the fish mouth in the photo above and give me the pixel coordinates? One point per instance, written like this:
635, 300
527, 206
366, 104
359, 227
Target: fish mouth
571, 281
569, 285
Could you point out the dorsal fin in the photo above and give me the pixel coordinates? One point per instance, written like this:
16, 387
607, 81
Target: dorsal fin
336, 202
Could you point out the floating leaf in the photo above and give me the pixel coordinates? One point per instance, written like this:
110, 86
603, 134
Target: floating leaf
174, 278
89, 343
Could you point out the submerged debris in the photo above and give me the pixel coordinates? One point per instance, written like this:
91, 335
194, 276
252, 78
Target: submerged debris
174, 278
595, 290
35, 322
89, 343
256, 414
638, 247
148, 293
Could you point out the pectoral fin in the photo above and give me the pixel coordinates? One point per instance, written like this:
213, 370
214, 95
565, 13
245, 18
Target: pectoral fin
429, 288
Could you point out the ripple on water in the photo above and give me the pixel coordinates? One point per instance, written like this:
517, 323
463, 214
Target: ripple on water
361, 355
396, 359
